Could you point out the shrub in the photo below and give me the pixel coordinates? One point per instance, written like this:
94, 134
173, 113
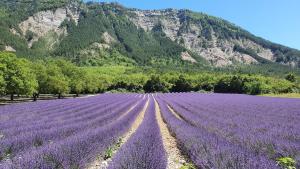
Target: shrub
154, 84
182, 85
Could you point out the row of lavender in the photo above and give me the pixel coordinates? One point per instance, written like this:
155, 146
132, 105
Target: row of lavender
233, 131
64, 133
144, 149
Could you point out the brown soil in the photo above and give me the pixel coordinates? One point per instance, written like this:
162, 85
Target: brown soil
175, 157
174, 113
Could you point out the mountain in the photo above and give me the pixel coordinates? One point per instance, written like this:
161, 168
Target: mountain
108, 33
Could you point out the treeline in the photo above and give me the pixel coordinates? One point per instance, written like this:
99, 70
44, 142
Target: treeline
57, 76
242, 84
53, 76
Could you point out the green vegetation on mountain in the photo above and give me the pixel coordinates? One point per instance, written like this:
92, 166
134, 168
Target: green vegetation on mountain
12, 12
144, 48
106, 51
139, 46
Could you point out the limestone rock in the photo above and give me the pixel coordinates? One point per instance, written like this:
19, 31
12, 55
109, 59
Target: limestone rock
43, 22
217, 51
187, 57
9, 49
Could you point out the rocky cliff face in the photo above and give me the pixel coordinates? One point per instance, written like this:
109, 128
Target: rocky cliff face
43, 22
218, 51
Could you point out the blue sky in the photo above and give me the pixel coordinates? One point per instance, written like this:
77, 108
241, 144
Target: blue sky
274, 20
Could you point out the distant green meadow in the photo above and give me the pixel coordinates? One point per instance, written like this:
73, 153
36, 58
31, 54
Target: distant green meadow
284, 95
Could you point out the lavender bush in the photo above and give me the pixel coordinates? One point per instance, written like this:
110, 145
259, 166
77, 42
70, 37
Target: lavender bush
144, 149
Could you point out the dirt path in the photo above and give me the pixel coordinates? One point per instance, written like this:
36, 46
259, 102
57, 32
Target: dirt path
100, 163
174, 113
175, 158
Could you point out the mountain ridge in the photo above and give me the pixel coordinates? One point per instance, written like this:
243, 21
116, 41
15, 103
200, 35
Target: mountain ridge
143, 37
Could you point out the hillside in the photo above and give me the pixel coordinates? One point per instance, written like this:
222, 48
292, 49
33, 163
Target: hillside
93, 34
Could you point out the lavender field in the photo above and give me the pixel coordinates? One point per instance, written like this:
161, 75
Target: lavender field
152, 131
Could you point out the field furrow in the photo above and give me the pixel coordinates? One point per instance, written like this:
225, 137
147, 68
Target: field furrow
174, 156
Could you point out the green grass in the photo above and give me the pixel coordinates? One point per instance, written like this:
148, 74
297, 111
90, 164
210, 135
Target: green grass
285, 95
111, 150
286, 162
187, 166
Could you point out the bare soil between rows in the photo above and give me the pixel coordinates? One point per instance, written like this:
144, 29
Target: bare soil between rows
100, 163
174, 156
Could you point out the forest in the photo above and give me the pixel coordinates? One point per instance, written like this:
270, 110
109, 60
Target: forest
19, 76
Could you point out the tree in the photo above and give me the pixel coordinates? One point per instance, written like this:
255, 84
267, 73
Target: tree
230, 84
40, 71
78, 81
91, 83
222, 86
182, 85
236, 84
2, 84
77, 77
119, 85
154, 84
253, 87
29, 35
67, 67
57, 82
290, 77
2, 80
18, 76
